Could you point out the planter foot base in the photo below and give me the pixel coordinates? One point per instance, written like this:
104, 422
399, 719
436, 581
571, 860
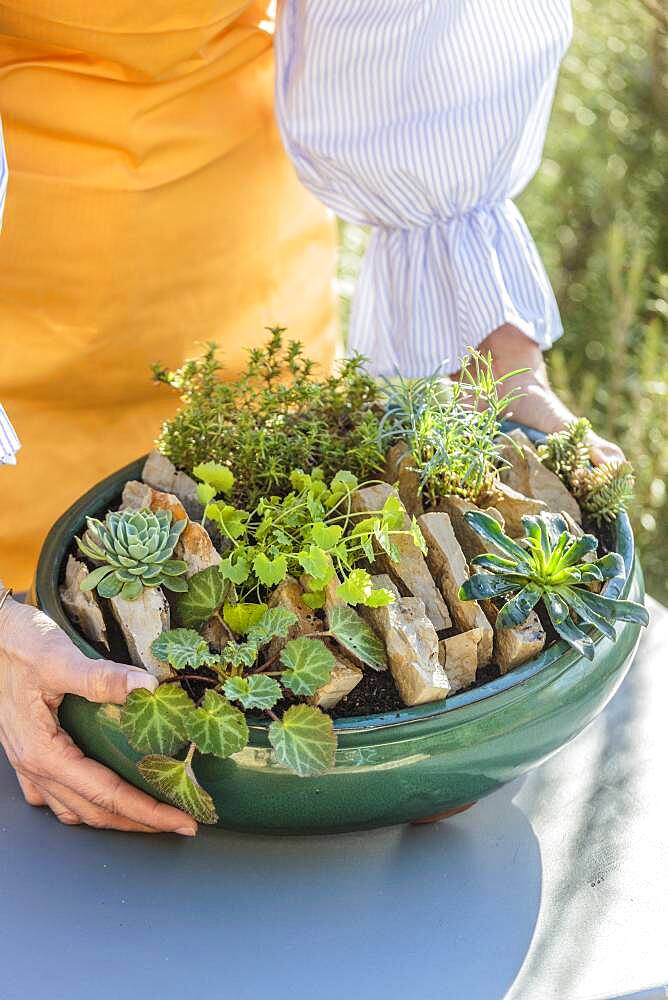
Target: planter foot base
437, 817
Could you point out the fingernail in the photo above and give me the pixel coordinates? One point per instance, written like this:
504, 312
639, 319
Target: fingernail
186, 831
140, 679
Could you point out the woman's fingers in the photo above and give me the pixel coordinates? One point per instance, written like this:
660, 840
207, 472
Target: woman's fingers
106, 790
31, 793
71, 808
601, 451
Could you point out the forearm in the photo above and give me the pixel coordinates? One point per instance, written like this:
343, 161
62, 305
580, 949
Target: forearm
512, 351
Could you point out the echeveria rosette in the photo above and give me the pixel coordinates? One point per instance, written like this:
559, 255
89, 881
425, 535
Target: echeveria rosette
548, 565
135, 548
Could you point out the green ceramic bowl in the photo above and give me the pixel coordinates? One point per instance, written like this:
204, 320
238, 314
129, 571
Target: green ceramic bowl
390, 768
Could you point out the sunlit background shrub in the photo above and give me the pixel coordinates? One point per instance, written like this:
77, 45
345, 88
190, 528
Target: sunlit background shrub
598, 208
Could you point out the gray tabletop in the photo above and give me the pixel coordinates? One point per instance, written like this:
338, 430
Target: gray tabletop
554, 888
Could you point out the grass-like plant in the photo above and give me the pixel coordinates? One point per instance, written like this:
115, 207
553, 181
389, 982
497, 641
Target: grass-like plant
452, 430
276, 417
135, 548
549, 566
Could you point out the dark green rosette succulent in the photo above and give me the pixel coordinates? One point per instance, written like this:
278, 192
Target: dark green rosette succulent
549, 565
135, 548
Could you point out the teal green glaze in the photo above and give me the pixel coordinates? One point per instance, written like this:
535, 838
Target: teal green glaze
389, 768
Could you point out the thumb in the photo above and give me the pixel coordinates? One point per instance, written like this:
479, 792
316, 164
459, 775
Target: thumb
104, 681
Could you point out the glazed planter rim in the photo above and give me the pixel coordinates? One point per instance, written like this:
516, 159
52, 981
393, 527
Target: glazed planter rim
46, 594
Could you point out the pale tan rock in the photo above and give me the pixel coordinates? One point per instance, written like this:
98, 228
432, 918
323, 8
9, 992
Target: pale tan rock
136, 496
381, 581
400, 471
471, 542
289, 595
162, 475
344, 677
514, 646
458, 656
526, 473
411, 572
412, 649
141, 621
513, 506
447, 564
82, 606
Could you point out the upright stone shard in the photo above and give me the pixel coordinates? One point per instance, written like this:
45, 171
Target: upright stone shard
400, 470
513, 506
458, 656
449, 569
471, 542
344, 678
289, 595
82, 606
162, 475
514, 646
411, 573
526, 473
412, 649
141, 621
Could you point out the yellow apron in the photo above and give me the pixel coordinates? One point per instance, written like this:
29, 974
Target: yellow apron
150, 207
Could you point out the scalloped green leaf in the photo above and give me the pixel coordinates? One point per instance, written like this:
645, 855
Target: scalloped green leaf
254, 691
317, 564
355, 635
176, 781
325, 536
275, 623
155, 721
304, 741
270, 572
236, 572
216, 475
241, 617
308, 665
217, 727
183, 648
206, 592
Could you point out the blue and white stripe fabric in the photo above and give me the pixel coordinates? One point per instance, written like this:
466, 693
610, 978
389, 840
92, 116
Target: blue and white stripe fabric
9, 443
423, 119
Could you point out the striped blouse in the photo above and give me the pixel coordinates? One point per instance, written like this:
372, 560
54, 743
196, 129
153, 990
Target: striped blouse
421, 119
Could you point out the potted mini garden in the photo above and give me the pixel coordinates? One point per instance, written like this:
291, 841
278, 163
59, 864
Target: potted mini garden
365, 601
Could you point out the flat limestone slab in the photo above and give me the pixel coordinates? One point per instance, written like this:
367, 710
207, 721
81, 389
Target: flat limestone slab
527, 474
471, 542
141, 622
449, 569
512, 506
344, 677
162, 475
411, 573
412, 649
399, 471
458, 656
514, 646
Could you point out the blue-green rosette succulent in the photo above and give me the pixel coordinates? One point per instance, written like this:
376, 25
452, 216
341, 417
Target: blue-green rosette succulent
135, 548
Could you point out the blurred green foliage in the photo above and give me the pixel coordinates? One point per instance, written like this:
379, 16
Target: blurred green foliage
598, 208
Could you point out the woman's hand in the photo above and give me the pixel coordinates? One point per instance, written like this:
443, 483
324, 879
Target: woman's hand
38, 666
538, 406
